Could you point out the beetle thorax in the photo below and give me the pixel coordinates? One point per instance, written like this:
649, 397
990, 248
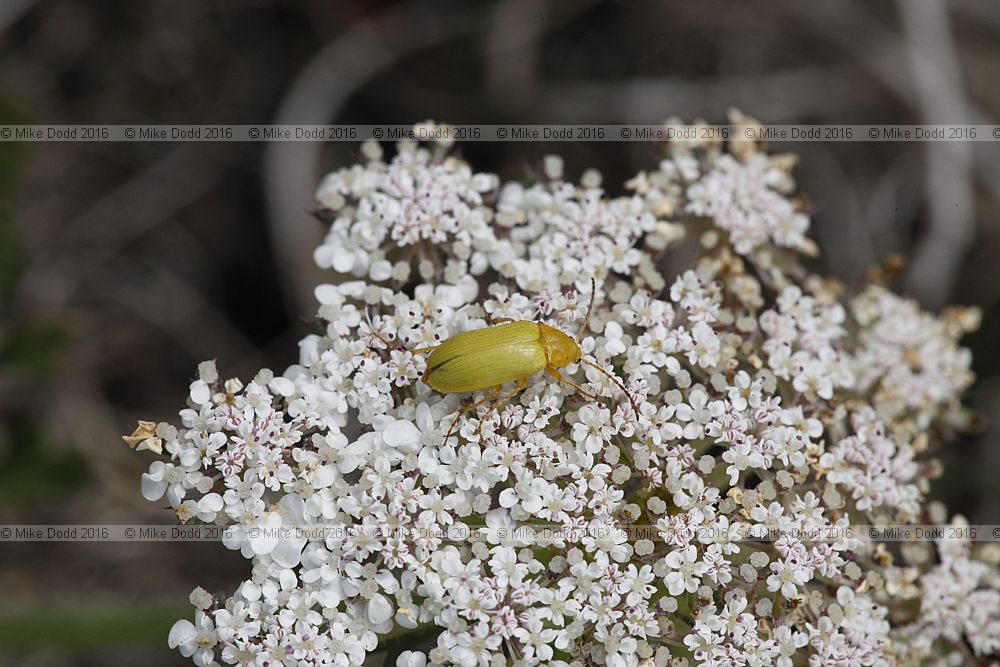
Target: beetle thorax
560, 349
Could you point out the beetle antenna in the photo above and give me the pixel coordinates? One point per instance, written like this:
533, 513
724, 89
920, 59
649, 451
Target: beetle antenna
388, 344
590, 308
621, 385
376, 334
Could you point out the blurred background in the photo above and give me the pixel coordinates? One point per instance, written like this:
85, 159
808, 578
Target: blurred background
122, 265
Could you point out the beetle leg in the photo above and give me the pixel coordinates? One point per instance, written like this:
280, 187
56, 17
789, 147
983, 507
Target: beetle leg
394, 346
497, 405
400, 348
391, 346
562, 378
521, 384
489, 408
463, 410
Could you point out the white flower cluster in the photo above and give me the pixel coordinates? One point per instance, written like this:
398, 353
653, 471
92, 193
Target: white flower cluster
909, 359
747, 199
958, 602
763, 404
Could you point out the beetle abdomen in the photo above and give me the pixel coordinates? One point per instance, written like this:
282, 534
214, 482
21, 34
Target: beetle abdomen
485, 358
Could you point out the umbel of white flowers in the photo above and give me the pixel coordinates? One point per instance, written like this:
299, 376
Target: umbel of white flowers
770, 400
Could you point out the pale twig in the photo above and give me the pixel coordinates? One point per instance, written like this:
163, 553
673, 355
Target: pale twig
180, 310
513, 51
116, 219
941, 99
778, 96
81, 414
883, 53
845, 236
12, 10
292, 169
884, 208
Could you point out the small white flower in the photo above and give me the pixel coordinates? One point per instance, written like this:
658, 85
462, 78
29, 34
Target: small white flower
195, 640
685, 570
411, 659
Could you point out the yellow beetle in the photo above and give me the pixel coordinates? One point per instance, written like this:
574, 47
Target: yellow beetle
488, 358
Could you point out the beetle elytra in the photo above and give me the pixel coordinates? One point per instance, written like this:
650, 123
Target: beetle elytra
508, 351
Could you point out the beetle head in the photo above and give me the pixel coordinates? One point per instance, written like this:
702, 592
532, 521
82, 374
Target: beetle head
560, 349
